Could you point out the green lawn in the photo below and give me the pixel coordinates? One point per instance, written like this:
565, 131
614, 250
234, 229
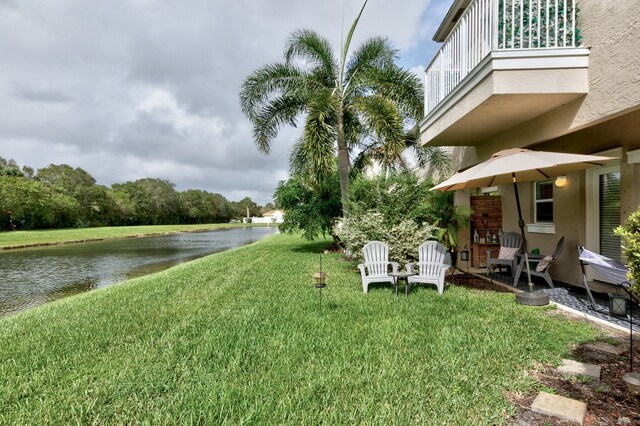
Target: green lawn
239, 337
59, 236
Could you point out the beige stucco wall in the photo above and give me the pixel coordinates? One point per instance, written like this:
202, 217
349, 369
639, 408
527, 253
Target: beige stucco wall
611, 30
607, 117
570, 201
569, 221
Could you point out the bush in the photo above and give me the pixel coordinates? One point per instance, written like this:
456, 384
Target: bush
403, 238
307, 210
398, 197
630, 231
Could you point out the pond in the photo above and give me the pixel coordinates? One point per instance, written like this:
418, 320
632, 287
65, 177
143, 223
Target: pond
33, 276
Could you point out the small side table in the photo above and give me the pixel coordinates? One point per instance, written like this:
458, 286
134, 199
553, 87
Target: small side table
401, 276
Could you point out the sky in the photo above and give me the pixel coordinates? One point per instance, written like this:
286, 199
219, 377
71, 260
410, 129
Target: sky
128, 89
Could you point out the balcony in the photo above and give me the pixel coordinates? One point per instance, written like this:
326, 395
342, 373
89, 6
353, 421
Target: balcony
503, 62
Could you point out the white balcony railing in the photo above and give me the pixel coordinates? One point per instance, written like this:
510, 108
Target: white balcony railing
488, 25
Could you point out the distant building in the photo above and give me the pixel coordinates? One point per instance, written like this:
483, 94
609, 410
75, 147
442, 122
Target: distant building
273, 216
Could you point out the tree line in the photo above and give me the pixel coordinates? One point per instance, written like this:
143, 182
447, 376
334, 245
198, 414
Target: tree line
60, 196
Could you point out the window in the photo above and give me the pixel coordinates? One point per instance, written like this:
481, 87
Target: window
609, 206
544, 202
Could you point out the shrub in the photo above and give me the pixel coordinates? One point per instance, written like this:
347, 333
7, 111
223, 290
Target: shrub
309, 211
630, 231
404, 196
403, 238
398, 197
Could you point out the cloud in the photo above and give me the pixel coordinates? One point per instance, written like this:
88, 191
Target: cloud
146, 88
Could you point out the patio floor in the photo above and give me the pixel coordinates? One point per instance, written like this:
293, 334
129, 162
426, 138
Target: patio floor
573, 297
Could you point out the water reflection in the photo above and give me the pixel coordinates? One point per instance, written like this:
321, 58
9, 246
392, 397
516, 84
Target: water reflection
31, 277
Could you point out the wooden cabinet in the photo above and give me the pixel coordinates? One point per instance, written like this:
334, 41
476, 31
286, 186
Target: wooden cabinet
479, 253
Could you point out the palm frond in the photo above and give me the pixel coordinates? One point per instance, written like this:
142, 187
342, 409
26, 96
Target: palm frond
272, 116
375, 52
269, 80
392, 82
347, 42
313, 157
311, 48
354, 130
385, 123
437, 159
361, 162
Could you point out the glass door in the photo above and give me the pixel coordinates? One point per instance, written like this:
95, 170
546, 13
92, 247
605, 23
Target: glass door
603, 212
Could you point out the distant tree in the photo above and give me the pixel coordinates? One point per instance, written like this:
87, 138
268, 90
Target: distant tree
223, 207
245, 204
194, 208
28, 172
29, 204
124, 209
198, 206
10, 168
95, 204
62, 196
267, 208
155, 200
308, 210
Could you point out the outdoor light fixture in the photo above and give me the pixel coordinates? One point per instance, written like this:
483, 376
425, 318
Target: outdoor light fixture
320, 278
617, 306
561, 181
464, 254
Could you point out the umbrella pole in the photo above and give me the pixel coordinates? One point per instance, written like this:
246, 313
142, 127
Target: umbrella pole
520, 221
531, 298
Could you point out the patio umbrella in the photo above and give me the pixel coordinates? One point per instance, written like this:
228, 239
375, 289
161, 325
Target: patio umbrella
520, 165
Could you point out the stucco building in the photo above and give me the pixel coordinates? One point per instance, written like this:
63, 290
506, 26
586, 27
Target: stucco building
549, 75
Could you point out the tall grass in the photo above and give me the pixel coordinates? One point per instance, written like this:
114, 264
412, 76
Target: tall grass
16, 239
241, 337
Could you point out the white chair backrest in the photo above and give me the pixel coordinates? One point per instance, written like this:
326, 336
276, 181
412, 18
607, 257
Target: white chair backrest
431, 256
376, 257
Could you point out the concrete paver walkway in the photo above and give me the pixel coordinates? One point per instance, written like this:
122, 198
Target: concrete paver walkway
559, 406
575, 368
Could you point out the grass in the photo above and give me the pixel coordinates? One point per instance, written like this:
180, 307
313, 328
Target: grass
239, 337
18, 239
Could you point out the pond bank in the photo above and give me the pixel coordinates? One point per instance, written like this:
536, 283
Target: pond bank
243, 337
36, 275
12, 240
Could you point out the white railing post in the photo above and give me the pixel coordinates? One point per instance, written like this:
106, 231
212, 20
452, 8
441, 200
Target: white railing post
495, 23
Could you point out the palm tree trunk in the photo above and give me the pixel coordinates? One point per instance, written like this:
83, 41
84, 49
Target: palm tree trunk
343, 166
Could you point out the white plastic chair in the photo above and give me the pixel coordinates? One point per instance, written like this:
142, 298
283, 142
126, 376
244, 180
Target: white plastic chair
431, 266
376, 265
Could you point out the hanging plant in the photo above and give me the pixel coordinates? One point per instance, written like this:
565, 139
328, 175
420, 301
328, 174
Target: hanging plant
512, 35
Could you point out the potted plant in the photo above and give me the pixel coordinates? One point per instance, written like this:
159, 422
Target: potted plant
449, 219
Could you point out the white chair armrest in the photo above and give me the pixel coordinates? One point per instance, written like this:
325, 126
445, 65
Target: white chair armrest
363, 270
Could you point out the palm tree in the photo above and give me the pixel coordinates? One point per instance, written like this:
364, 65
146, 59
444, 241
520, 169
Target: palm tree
344, 101
376, 151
